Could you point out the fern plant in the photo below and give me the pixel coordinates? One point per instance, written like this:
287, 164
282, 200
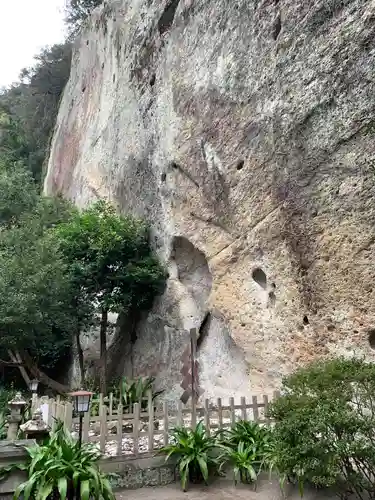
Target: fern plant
61, 468
195, 453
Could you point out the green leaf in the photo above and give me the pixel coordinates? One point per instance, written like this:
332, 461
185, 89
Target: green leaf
62, 486
85, 490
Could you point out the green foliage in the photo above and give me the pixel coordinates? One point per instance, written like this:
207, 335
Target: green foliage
17, 192
247, 446
195, 453
136, 391
245, 462
28, 109
60, 466
77, 11
325, 426
110, 257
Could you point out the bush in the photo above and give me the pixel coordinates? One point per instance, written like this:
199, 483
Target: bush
195, 453
245, 447
325, 426
59, 467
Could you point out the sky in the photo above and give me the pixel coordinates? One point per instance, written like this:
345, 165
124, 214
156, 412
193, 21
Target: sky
26, 26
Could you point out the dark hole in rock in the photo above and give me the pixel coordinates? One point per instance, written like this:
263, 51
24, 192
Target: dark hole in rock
103, 65
355, 331
273, 286
83, 88
203, 329
371, 338
167, 18
305, 320
174, 165
330, 328
114, 78
276, 28
163, 177
243, 324
259, 276
152, 80
276, 1
87, 42
240, 164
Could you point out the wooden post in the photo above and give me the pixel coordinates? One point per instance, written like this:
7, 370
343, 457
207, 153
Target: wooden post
232, 412
86, 427
180, 420
103, 424
193, 413
243, 408
207, 416
166, 423
150, 406
220, 413
119, 429
255, 409
136, 416
265, 400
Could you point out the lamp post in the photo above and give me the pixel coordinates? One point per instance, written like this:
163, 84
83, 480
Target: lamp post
33, 386
81, 405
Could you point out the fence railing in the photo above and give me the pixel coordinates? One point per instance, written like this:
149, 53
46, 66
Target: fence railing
147, 426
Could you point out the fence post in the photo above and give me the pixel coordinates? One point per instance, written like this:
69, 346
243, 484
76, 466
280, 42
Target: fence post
265, 400
180, 420
220, 413
243, 409
193, 413
255, 409
119, 429
166, 423
207, 416
86, 427
150, 406
103, 424
232, 412
136, 414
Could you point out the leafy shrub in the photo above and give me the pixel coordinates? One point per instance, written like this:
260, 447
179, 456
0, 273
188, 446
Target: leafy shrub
246, 446
60, 466
244, 460
325, 426
195, 453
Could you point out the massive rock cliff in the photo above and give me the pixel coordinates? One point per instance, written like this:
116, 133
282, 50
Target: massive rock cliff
243, 130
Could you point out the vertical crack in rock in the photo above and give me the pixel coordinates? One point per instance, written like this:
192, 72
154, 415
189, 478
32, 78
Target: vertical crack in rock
167, 18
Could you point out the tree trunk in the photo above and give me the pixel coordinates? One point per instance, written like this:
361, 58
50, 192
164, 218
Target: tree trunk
103, 351
41, 376
80, 358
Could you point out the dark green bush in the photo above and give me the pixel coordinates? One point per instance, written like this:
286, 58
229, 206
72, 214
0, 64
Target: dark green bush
325, 427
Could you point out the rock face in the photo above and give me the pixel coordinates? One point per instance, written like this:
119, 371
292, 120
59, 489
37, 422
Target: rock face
244, 132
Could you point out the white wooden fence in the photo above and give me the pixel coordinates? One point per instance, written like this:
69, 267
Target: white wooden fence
144, 430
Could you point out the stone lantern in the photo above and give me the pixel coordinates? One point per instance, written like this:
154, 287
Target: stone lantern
16, 406
35, 428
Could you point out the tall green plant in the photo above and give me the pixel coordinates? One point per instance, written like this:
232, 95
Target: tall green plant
325, 426
195, 453
60, 467
137, 391
244, 461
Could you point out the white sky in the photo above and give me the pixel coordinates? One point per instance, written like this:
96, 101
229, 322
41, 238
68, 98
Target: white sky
26, 26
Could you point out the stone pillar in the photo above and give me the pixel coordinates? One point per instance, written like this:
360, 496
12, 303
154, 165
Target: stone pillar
15, 405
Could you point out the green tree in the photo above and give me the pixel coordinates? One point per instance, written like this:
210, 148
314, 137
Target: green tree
77, 11
29, 108
112, 264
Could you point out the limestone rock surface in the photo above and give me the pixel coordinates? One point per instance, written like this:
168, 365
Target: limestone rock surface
243, 130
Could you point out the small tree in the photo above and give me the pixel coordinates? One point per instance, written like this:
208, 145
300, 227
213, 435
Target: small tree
77, 11
112, 264
325, 426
